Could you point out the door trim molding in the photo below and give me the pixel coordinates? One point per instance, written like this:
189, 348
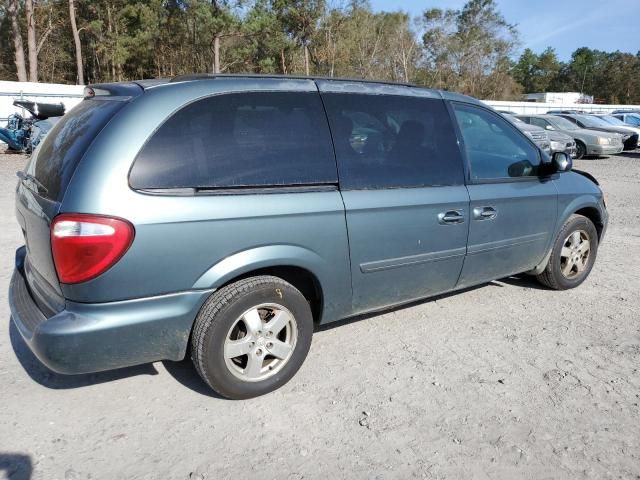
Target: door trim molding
379, 265
510, 242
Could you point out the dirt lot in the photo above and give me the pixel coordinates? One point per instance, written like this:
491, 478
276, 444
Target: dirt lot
507, 380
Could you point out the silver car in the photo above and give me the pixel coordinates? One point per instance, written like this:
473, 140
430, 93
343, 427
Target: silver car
588, 142
539, 136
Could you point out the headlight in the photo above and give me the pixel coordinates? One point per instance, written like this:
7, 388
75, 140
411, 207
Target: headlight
557, 146
604, 141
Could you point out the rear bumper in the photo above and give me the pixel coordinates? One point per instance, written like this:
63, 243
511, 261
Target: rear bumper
86, 338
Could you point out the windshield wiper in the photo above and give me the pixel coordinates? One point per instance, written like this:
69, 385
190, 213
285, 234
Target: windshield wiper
27, 176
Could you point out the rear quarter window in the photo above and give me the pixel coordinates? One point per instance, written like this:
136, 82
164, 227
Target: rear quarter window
56, 158
251, 139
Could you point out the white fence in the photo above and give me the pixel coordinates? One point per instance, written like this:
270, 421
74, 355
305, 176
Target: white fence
535, 107
69, 95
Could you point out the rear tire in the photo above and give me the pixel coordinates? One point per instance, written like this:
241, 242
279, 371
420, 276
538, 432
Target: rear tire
251, 336
573, 255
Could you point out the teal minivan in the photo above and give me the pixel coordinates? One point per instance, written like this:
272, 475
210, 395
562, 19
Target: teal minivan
223, 217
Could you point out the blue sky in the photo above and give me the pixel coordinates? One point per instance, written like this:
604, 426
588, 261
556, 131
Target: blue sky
562, 24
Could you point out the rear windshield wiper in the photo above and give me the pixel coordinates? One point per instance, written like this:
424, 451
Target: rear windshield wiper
27, 176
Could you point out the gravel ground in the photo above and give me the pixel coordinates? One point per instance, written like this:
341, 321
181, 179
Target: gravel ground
503, 381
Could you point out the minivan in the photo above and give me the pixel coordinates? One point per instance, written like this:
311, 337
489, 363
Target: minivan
225, 217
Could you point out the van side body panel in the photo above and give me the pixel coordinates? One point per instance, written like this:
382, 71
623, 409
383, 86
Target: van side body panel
181, 240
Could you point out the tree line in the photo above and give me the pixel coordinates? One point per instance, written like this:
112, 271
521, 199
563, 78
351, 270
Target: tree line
470, 50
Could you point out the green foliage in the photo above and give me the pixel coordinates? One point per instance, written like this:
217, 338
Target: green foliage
469, 50
611, 77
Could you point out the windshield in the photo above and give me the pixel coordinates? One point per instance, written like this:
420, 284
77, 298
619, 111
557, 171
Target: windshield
562, 123
593, 122
633, 119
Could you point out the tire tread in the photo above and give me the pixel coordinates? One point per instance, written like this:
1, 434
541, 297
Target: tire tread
547, 277
209, 313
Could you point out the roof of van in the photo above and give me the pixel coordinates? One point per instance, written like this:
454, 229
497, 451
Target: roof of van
149, 84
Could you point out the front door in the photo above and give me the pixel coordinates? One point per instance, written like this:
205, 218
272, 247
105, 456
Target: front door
512, 209
402, 182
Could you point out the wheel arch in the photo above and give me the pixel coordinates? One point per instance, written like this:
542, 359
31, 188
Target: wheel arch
298, 266
593, 214
586, 205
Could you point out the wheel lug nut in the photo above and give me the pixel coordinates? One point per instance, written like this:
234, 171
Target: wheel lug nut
259, 351
269, 345
269, 334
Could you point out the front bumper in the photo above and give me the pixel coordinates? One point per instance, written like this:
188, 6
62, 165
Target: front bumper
604, 149
604, 215
85, 338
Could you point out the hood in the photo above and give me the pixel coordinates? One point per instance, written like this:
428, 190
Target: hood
556, 136
525, 127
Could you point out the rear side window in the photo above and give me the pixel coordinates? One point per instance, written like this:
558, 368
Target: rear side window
239, 140
393, 141
57, 157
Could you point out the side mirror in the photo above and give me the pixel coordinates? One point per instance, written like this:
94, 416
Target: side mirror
561, 162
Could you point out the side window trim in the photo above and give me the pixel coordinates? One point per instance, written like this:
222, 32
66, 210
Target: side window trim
466, 164
467, 161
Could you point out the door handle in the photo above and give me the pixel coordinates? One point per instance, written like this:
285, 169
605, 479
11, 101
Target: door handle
450, 217
484, 213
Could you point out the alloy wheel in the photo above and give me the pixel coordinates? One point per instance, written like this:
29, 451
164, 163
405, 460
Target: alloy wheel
574, 256
260, 342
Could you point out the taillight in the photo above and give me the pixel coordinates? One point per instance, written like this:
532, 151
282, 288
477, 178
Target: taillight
85, 246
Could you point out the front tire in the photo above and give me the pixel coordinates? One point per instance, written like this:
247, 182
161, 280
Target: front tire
581, 150
573, 255
251, 336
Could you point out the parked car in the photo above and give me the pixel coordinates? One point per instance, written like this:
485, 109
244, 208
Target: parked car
554, 112
538, 135
588, 142
630, 118
553, 141
610, 119
627, 110
592, 122
241, 211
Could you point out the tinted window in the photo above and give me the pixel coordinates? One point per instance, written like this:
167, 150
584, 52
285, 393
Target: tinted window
235, 140
393, 141
55, 160
494, 147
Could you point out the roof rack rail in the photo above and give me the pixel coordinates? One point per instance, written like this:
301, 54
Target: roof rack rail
212, 76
